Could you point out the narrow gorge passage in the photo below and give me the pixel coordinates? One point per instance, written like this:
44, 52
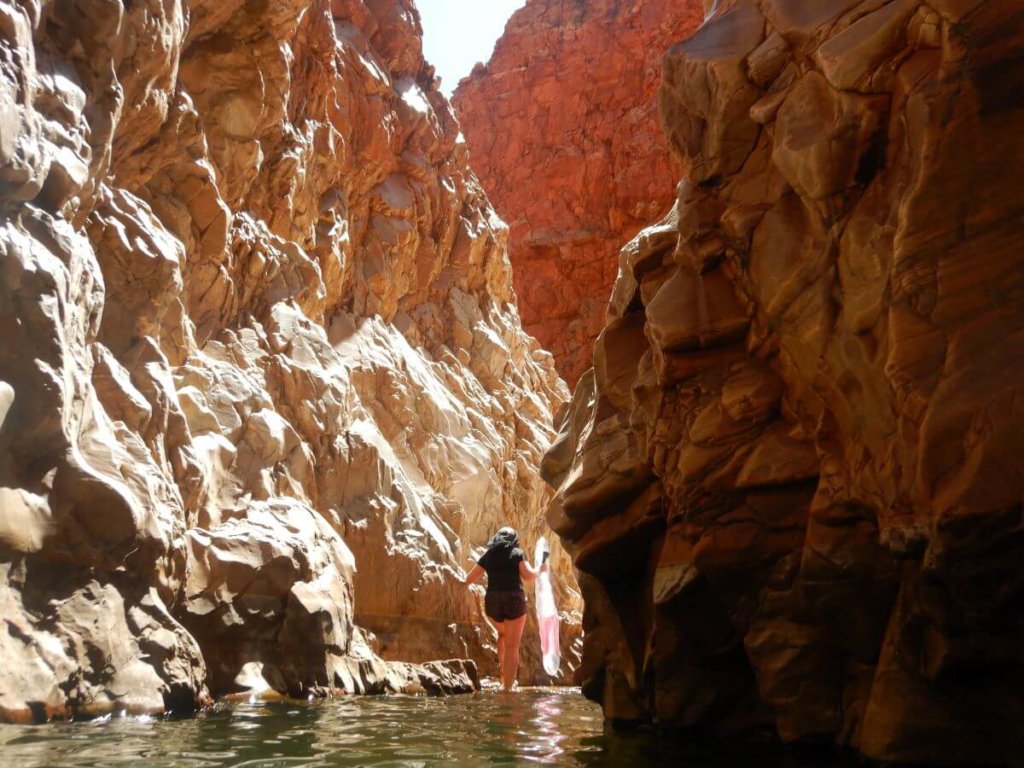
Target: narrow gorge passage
749, 351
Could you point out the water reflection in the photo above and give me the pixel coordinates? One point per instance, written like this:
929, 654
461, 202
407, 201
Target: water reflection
540, 726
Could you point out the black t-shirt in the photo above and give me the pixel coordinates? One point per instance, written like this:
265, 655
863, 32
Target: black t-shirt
502, 566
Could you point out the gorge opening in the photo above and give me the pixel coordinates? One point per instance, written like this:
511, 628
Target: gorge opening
722, 298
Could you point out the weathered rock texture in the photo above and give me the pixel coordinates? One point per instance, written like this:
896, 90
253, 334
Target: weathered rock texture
792, 481
562, 126
261, 372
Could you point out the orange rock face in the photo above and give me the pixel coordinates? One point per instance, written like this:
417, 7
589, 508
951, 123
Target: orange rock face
263, 385
562, 126
792, 480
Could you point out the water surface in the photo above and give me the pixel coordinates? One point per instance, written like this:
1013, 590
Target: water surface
535, 726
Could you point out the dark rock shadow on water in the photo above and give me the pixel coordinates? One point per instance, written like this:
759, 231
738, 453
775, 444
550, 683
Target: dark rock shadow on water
620, 749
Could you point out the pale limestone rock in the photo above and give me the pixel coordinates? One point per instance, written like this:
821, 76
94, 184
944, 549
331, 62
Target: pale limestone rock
263, 376
25, 520
6, 399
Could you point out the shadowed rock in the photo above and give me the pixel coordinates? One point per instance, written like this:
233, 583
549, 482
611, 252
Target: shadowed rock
795, 501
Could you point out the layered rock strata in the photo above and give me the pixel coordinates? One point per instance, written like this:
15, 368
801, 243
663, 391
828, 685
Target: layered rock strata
791, 481
562, 125
262, 374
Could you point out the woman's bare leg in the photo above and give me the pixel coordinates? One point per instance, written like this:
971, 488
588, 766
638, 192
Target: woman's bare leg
500, 627
513, 634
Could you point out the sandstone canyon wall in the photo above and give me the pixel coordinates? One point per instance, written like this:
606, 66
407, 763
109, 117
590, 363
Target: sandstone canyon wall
262, 376
562, 125
792, 480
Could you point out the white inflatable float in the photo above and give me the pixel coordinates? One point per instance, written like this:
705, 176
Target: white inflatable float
547, 614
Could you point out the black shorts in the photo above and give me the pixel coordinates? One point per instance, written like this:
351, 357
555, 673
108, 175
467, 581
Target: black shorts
502, 605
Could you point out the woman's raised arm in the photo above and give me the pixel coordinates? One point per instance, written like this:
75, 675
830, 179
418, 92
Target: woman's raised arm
528, 573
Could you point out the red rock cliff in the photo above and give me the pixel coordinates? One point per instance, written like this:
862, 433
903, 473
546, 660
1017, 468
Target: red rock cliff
562, 126
792, 482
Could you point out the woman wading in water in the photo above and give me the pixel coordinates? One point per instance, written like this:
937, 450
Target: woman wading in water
505, 602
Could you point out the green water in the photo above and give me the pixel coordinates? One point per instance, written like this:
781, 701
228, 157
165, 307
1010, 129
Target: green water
535, 726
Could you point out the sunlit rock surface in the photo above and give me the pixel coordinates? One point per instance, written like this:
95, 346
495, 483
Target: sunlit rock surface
262, 375
792, 480
562, 126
